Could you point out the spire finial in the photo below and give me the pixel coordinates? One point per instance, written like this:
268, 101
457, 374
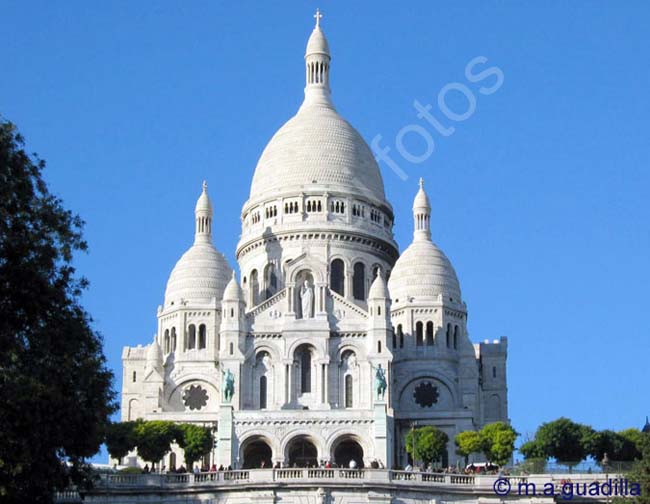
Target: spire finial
205, 186
318, 16
421, 183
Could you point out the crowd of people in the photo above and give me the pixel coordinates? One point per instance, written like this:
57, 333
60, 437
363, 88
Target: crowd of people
327, 464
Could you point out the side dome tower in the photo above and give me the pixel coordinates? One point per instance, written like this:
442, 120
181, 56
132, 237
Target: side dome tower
423, 273
202, 273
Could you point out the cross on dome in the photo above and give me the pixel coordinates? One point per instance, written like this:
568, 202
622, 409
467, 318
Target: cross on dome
205, 186
318, 16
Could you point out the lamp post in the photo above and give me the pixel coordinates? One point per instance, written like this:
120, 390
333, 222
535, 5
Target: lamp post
414, 424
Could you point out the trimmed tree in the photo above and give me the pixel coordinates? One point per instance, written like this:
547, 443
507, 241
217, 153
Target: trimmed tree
566, 441
121, 438
468, 442
196, 441
56, 388
154, 438
640, 474
498, 442
427, 444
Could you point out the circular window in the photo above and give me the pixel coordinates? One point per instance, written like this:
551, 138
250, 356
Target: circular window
195, 397
425, 394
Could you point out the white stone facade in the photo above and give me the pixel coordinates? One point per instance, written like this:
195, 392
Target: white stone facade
312, 322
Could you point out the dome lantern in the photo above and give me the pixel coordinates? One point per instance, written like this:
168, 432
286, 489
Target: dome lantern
203, 217
421, 214
317, 67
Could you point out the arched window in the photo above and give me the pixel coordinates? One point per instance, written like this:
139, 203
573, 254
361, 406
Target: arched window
305, 371
232, 349
135, 376
270, 280
448, 335
173, 339
359, 282
337, 276
255, 288
429, 333
494, 371
262, 392
191, 337
202, 336
349, 399
400, 334
172, 461
394, 338
167, 341
419, 338
456, 338
379, 347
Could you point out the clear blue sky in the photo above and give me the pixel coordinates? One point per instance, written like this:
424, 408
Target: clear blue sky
540, 198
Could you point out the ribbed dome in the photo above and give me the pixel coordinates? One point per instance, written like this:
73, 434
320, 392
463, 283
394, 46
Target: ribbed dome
154, 354
201, 274
378, 289
317, 43
317, 146
422, 271
233, 291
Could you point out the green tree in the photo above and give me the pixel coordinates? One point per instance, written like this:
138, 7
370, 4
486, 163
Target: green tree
498, 442
427, 444
54, 382
566, 441
531, 449
633, 440
615, 445
468, 442
196, 441
640, 473
121, 438
154, 438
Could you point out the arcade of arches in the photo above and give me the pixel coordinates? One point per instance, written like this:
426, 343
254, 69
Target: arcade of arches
301, 451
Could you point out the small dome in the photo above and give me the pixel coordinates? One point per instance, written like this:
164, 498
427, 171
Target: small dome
421, 201
233, 292
201, 274
378, 289
203, 204
317, 43
423, 271
154, 354
317, 146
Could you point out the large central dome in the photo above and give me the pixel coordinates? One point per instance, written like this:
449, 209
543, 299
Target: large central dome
317, 147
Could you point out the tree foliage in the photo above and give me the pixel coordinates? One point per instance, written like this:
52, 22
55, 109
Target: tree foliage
498, 442
196, 441
121, 438
430, 444
566, 441
54, 382
154, 439
641, 472
468, 442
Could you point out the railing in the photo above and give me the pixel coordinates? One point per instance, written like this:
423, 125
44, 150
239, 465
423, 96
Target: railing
322, 476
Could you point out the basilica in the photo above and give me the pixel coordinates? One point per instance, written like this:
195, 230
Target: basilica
329, 344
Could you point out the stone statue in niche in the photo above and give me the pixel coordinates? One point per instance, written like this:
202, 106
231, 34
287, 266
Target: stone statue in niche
307, 300
380, 381
228, 385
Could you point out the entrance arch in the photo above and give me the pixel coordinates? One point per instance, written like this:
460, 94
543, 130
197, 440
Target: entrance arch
346, 450
302, 452
256, 454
